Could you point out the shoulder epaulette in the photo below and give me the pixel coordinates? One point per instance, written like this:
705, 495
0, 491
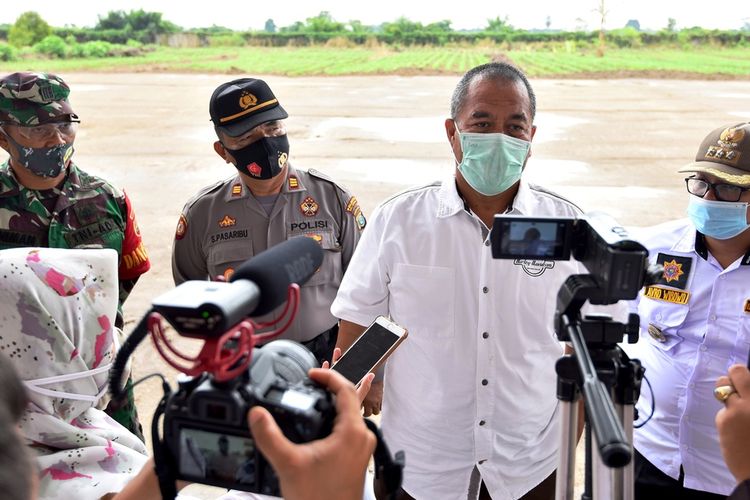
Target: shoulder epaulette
211, 188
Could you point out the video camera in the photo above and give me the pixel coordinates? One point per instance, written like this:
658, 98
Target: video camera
616, 262
206, 438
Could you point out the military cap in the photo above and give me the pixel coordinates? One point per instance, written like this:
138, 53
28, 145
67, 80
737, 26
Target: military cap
28, 98
238, 106
725, 153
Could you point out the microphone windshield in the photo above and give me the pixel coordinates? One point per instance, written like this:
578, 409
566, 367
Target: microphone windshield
273, 270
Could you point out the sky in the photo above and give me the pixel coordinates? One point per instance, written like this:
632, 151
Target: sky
528, 14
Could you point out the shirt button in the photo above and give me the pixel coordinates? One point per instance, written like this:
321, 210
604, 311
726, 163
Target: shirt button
485, 335
704, 348
482, 422
486, 243
485, 289
485, 382
713, 317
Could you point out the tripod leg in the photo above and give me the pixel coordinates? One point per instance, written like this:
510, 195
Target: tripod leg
627, 476
566, 465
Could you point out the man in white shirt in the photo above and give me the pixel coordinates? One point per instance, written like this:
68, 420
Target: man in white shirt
470, 395
695, 323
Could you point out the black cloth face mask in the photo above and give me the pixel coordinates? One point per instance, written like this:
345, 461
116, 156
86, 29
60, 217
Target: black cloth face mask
264, 158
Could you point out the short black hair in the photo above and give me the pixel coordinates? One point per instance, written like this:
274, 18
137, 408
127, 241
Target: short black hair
495, 71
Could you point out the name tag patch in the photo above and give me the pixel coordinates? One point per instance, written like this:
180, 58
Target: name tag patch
667, 295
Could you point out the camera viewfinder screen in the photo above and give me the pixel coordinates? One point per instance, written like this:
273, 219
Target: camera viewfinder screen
214, 456
531, 239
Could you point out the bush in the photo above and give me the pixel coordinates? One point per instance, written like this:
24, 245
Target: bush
231, 40
52, 46
92, 49
8, 52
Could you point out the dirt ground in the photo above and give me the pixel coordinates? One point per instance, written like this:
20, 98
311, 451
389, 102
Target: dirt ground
611, 145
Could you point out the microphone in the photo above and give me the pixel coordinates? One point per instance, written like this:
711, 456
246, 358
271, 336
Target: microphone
273, 270
205, 309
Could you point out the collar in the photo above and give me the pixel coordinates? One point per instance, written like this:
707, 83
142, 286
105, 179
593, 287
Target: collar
239, 191
694, 241
450, 200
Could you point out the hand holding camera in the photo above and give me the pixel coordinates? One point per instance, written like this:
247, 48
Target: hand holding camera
329, 468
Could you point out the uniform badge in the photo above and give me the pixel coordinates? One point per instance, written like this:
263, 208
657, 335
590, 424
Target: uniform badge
667, 294
309, 207
247, 99
254, 169
283, 157
228, 272
676, 270
227, 221
181, 227
656, 333
747, 306
237, 190
352, 207
293, 182
318, 238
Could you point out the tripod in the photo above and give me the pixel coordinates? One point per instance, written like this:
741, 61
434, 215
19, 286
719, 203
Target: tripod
610, 383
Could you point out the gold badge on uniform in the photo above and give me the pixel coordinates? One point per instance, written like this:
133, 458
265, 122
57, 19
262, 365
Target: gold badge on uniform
227, 221
181, 227
237, 190
293, 182
656, 333
667, 295
747, 306
309, 207
318, 238
353, 208
676, 270
228, 272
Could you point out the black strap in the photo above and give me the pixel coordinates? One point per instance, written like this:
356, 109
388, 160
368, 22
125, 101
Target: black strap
391, 469
164, 465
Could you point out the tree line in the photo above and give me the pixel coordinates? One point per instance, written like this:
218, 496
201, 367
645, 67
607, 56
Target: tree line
125, 33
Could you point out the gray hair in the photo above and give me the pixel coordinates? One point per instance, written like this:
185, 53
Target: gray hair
496, 71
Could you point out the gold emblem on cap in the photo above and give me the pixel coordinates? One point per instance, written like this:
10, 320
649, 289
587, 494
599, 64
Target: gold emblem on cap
247, 99
731, 137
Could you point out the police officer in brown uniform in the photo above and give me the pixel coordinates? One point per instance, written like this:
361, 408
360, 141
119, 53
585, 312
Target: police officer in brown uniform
266, 203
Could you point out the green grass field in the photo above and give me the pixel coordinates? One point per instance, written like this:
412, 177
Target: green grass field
304, 61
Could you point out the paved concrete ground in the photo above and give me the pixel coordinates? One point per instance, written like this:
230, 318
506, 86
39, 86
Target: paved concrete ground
611, 145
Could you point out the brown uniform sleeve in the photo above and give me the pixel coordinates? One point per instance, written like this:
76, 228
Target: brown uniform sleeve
188, 259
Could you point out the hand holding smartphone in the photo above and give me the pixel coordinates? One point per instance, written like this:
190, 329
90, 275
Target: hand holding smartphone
370, 350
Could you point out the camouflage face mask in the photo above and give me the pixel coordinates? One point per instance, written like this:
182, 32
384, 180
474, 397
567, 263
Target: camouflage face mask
43, 162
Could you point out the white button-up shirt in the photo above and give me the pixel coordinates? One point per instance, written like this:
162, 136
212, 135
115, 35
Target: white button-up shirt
689, 346
474, 384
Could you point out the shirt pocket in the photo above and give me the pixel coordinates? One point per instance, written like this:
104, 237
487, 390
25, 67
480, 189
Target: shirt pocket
661, 322
224, 259
330, 270
422, 300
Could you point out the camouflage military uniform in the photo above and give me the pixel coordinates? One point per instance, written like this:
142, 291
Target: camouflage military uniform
82, 211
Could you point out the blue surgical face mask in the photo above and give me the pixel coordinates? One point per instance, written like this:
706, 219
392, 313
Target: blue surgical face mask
718, 219
492, 163
43, 162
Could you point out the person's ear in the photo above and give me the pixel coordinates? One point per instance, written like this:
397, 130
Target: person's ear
221, 151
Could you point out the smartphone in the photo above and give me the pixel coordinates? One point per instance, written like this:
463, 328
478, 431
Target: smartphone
370, 349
